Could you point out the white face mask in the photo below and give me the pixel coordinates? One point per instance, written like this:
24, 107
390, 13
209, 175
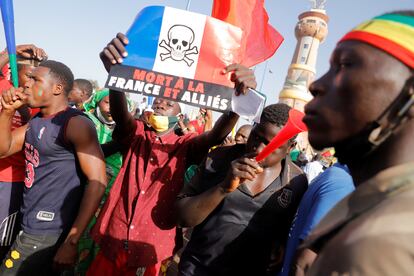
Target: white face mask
101, 117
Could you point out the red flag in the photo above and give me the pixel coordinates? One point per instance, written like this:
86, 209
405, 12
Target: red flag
261, 39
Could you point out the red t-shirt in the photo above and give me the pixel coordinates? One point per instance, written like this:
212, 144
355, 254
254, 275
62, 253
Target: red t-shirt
12, 168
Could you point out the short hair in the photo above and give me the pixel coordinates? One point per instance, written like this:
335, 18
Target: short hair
277, 114
61, 72
85, 86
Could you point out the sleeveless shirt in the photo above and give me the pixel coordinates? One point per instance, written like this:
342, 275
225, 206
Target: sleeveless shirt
53, 184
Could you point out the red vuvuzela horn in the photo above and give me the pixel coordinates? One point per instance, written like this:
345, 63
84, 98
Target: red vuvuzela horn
293, 126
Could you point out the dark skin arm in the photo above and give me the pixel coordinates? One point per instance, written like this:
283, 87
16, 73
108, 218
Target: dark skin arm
110, 148
240, 75
11, 141
112, 54
302, 262
193, 210
92, 164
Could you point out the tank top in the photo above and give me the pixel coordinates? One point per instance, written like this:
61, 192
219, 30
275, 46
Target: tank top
53, 184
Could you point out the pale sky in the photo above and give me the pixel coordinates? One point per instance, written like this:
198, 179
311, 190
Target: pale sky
75, 31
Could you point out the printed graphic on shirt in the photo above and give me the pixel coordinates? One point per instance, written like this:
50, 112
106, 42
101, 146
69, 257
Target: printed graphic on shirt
41, 133
32, 161
45, 216
285, 198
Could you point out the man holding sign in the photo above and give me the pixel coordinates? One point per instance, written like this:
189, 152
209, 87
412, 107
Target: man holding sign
136, 227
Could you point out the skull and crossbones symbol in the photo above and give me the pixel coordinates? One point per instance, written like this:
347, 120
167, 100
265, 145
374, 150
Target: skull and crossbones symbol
180, 38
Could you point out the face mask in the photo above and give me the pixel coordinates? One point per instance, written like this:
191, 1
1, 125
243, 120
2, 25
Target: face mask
162, 123
101, 118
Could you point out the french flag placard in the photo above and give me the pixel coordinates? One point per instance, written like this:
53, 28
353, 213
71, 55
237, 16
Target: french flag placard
179, 55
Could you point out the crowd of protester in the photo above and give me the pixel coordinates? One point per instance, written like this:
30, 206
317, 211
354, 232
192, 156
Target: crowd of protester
93, 183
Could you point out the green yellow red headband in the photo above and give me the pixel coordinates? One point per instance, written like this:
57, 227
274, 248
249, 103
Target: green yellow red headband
392, 33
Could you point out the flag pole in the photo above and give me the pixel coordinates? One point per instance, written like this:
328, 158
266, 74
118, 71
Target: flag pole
8, 23
263, 76
188, 5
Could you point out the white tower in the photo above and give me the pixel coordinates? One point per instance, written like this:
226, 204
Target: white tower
310, 31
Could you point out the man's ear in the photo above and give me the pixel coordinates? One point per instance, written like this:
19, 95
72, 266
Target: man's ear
58, 89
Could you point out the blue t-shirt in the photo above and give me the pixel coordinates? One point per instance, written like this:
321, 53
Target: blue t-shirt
323, 193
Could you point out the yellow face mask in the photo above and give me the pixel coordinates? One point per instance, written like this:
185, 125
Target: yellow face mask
162, 123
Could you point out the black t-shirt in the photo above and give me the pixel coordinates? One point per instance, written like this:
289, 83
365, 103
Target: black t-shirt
239, 236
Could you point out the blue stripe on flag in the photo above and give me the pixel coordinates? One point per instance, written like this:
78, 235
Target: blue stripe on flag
143, 36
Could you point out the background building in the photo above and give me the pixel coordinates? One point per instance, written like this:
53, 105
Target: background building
310, 31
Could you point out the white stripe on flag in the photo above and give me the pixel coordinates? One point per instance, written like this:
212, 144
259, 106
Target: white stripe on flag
189, 24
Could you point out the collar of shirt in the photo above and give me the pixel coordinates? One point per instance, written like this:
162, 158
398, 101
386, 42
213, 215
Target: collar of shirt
385, 184
169, 137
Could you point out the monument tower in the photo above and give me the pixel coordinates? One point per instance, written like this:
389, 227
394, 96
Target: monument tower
310, 31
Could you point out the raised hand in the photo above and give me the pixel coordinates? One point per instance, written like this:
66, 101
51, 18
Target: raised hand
241, 169
114, 52
242, 76
12, 99
30, 51
228, 141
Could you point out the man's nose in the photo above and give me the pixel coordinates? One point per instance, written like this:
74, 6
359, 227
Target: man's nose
320, 86
160, 104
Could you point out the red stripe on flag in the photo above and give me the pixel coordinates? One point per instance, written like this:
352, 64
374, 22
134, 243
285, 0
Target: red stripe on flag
219, 48
261, 39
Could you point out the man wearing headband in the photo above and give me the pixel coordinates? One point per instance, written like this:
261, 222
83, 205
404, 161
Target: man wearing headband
12, 168
136, 227
363, 107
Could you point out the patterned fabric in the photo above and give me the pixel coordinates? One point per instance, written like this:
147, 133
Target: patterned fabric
392, 33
